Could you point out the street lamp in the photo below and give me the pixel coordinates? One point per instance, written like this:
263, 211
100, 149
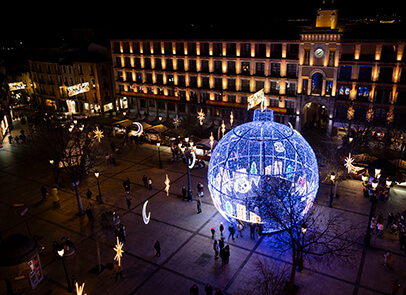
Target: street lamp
53, 170
158, 144
68, 281
188, 152
372, 199
330, 198
99, 197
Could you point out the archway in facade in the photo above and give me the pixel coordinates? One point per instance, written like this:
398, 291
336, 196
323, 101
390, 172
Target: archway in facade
314, 115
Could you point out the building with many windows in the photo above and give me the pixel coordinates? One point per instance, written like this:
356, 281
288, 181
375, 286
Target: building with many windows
79, 83
329, 76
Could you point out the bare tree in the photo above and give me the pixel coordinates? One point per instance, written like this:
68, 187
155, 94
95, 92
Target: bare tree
320, 234
72, 148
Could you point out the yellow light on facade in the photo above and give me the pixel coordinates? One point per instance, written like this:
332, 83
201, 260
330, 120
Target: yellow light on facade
80, 289
167, 184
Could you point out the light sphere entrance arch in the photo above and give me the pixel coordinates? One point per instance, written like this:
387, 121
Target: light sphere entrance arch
259, 167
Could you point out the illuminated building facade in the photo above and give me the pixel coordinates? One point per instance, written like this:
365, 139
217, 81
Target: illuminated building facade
328, 76
74, 85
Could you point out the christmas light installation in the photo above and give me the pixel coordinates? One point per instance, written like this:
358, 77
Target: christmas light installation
176, 122
119, 251
201, 116
257, 167
145, 217
167, 184
98, 134
348, 163
80, 289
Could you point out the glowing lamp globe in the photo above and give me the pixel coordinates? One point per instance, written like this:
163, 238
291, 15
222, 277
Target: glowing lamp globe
261, 167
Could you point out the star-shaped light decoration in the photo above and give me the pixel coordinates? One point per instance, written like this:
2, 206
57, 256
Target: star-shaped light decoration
98, 134
348, 163
201, 116
176, 122
79, 289
119, 251
167, 186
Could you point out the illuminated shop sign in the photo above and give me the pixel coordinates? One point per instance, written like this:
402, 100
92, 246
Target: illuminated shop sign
16, 86
78, 88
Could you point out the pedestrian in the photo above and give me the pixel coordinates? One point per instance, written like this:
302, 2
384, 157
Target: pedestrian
89, 194
208, 289
128, 201
239, 228
373, 225
218, 292
126, 185
149, 183
10, 138
387, 258
223, 256
157, 248
44, 193
227, 253
120, 233
55, 196
395, 287
118, 270
194, 290
200, 189
231, 229
90, 216
184, 193
213, 231
221, 228
216, 249
390, 220
145, 180
221, 243
252, 231
199, 206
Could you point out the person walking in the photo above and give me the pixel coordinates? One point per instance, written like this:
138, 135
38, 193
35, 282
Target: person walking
387, 258
199, 206
223, 256
90, 216
157, 248
213, 231
231, 229
145, 180
126, 185
239, 228
252, 231
55, 196
118, 270
221, 243
184, 193
221, 228
194, 290
44, 193
395, 287
218, 292
149, 183
128, 201
227, 253
208, 289
89, 194
216, 249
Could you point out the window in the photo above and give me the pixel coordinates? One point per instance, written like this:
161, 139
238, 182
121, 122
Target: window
275, 86
117, 60
245, 68
231, 84
170, 80
231, 98
344, 91
259, 84
304, 86
231, 67
205, 66
180, 50
365, 74
245, 49
345, 73
293, 51
191, 48
204, 48
290, 104
137, 62
180, 65
158, 63
127, 63
128, 76
260, 68
218, 97
276, 50
231, 49
149, 78
181, 80
329, 87
218, 66
291, 70
169, 64
385, 75
290, 88
168, 47
206, 82
217, 49
306, 59
275, 69
147, 63
331, 58
218, 83
159, 79
192, 65
363, 94
245, 85
193, 81
317, 83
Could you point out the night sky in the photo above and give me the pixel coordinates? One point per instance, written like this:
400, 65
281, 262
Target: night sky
56, 18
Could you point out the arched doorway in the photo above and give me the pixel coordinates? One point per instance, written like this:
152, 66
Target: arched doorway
315, 115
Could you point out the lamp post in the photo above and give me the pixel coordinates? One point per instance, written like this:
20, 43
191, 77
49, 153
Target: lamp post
330, 198
158, 144
99, 197
53, 170
187, 151
372, 199
68, 281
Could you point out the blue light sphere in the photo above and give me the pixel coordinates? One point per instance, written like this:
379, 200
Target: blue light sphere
262, 167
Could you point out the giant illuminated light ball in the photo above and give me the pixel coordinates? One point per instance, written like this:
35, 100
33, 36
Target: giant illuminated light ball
262, 170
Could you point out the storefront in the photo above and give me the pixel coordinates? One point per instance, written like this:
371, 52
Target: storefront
20, 265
